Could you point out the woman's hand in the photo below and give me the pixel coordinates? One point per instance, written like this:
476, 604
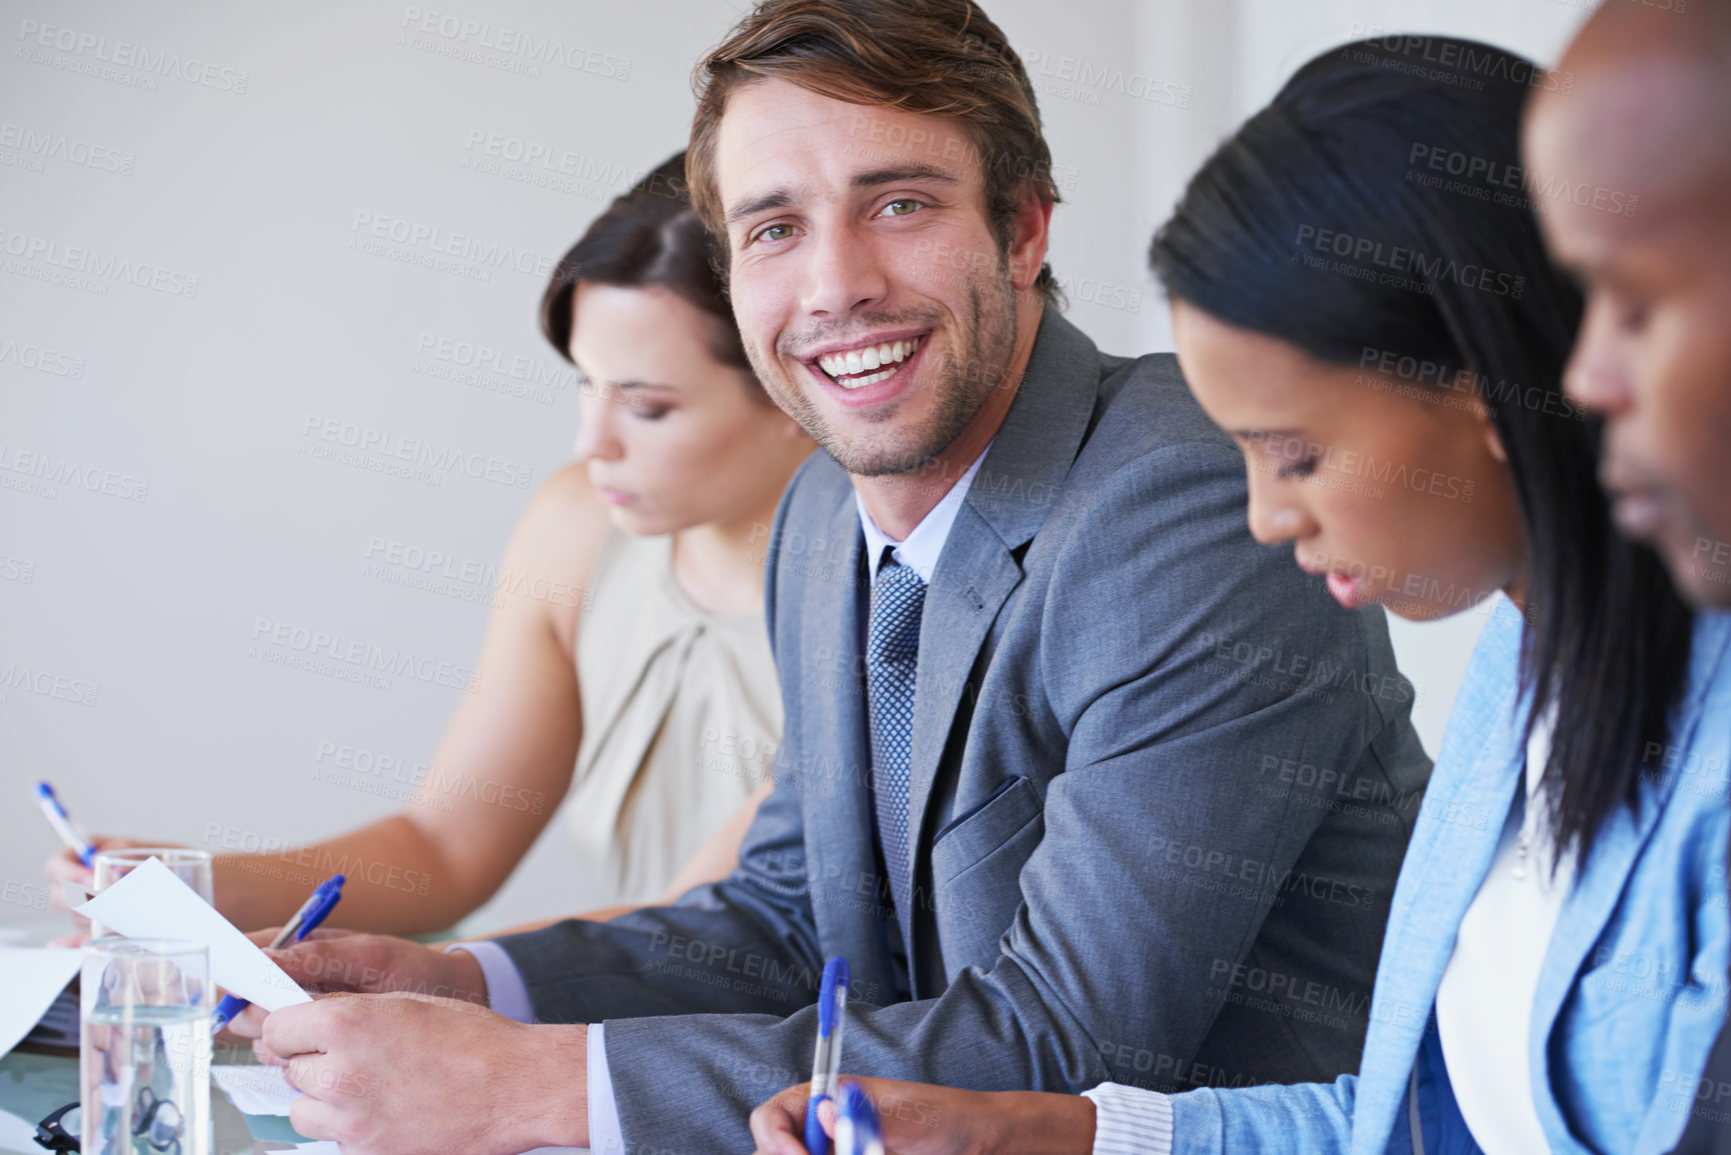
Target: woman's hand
923, 1119
65, 867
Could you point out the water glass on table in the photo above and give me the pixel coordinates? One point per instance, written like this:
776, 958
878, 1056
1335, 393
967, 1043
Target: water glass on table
144, 1054
190, 866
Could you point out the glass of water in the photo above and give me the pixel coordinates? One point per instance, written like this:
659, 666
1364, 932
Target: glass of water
190, 866
144, 1053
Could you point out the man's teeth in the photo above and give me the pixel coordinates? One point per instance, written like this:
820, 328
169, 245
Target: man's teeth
857, 361
868, 379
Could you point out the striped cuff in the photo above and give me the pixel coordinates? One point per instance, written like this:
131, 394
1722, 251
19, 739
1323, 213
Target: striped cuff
1130, 1121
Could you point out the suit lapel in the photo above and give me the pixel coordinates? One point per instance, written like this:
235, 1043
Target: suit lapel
958, 615
1016, 486
837, 786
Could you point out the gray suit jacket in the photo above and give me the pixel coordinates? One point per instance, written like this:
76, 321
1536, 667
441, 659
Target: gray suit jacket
1162, 784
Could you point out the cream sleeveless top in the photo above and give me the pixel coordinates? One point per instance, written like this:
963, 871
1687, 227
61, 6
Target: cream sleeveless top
681, 717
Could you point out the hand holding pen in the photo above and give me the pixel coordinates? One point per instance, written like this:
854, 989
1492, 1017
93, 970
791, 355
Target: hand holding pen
856, 1123
826, 1063
306, 920
75, 839
71, 872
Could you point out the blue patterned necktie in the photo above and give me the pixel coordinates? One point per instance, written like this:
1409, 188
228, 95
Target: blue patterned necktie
892, 666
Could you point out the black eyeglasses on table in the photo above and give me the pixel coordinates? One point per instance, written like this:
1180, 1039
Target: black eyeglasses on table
159, 1124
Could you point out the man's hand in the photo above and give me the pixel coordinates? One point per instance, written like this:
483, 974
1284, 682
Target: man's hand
404, 1074
922, 1119
340, 960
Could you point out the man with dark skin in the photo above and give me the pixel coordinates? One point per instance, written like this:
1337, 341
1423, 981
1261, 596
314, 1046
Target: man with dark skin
1647, 128
1650, 119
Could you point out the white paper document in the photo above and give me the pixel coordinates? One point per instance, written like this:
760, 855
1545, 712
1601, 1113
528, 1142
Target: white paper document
152, 902
264, 1091
18, 1135
328, 1148
254, 1090
31, 980
332, 1149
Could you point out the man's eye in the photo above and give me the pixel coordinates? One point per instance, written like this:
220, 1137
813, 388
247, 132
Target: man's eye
901, 207
1299, 468
774, 233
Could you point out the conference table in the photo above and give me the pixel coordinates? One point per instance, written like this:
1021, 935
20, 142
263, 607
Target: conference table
33, 1084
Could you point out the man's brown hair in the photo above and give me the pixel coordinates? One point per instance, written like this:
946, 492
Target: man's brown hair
936, 57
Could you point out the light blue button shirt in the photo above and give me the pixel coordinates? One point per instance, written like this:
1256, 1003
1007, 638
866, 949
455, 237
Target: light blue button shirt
508, 995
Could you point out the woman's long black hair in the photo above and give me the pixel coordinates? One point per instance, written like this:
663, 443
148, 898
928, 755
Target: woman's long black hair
1376, 210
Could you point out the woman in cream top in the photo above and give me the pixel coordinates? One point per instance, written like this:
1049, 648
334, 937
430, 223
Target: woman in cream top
681, 716
626, 671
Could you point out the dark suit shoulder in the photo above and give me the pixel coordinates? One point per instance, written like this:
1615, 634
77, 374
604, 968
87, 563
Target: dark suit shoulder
1145, 406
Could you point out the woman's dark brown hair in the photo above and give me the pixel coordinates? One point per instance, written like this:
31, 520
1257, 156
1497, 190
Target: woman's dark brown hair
648, 237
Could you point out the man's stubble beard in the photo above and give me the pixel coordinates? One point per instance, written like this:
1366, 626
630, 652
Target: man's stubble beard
961, 390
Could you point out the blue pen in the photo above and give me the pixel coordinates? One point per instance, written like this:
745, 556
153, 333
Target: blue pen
62, 823
856, 1123
305, 921
826, 1064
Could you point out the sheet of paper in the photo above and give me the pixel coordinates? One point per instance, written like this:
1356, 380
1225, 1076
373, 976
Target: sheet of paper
264, 1091
18, 1135
152, 902
74, 893
333, 1149
31, 978
254, 1090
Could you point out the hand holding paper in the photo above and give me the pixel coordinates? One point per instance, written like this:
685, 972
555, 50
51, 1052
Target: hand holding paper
151, 902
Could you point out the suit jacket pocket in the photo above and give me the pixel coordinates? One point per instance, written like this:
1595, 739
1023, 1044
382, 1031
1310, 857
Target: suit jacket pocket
976, 861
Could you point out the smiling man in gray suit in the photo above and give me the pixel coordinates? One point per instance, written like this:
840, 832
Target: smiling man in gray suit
1083, 783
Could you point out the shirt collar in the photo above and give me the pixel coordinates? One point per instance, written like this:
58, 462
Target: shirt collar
920, 550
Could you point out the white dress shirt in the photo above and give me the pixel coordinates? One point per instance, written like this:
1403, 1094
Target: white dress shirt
508, 995
1484, 1007
920, 550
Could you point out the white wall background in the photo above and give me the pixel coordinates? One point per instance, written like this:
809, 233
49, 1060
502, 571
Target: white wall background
156, 500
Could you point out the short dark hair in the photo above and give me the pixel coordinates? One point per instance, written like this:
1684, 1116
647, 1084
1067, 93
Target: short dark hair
1608, 637
649, 236
937, 57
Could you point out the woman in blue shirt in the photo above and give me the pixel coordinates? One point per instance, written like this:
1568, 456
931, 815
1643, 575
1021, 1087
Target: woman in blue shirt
1361, 299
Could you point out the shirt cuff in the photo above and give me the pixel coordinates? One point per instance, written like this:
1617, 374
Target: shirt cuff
1130, 1121
507, 993
605, 1135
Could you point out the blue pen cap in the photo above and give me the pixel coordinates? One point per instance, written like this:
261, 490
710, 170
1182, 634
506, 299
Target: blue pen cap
857, 1130
856, 1102
328, 894
835, 975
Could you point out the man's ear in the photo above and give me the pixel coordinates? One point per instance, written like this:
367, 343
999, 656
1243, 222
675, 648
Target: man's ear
1028, 240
